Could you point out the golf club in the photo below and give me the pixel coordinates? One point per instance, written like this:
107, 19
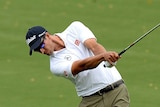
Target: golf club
123, 51
136, 41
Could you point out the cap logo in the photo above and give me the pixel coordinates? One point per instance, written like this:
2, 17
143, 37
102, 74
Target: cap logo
29, 40
41, 34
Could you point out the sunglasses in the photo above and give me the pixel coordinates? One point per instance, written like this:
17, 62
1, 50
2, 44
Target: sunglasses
42, 45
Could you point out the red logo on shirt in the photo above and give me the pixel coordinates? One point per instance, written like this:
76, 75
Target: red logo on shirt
65, 73
77, 42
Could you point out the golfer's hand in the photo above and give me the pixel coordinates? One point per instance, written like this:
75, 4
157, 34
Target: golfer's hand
111, 57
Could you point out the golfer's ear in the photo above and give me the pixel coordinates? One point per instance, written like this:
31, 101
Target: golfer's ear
42, 50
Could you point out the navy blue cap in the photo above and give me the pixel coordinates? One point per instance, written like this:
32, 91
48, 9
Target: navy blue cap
33, 37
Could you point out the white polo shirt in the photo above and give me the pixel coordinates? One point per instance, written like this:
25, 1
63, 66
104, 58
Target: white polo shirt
86, 82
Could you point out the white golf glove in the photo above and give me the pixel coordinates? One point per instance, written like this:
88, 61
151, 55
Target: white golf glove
107, 64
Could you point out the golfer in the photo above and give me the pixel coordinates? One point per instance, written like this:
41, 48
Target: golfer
76, 55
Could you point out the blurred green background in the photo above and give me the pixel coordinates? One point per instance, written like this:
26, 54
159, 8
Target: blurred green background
27, 81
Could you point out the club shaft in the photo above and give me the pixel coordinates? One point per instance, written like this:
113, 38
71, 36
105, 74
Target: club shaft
123, 51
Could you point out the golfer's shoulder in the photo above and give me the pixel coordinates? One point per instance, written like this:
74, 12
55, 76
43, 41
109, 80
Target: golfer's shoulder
77, 24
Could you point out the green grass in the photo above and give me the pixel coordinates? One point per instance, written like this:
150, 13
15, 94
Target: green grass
27, 81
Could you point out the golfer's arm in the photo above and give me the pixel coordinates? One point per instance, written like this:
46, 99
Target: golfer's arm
95, 47
91, 62
88, 63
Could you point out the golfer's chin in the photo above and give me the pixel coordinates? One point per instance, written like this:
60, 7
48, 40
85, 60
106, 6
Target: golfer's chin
49, 54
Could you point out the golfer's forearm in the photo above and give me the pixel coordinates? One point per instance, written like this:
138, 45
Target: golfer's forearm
92, 62
88, 63
98, 49
94, 46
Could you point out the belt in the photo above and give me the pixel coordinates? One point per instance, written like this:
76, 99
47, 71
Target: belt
108, 88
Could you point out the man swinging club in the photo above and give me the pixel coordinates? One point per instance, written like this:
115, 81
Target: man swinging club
76, 55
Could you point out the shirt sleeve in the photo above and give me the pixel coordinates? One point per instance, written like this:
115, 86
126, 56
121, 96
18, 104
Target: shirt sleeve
79, 29
63, 69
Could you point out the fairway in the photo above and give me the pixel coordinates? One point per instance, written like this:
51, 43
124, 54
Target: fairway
26, 81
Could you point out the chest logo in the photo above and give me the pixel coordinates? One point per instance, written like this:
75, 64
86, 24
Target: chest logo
77, 42
68, 57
